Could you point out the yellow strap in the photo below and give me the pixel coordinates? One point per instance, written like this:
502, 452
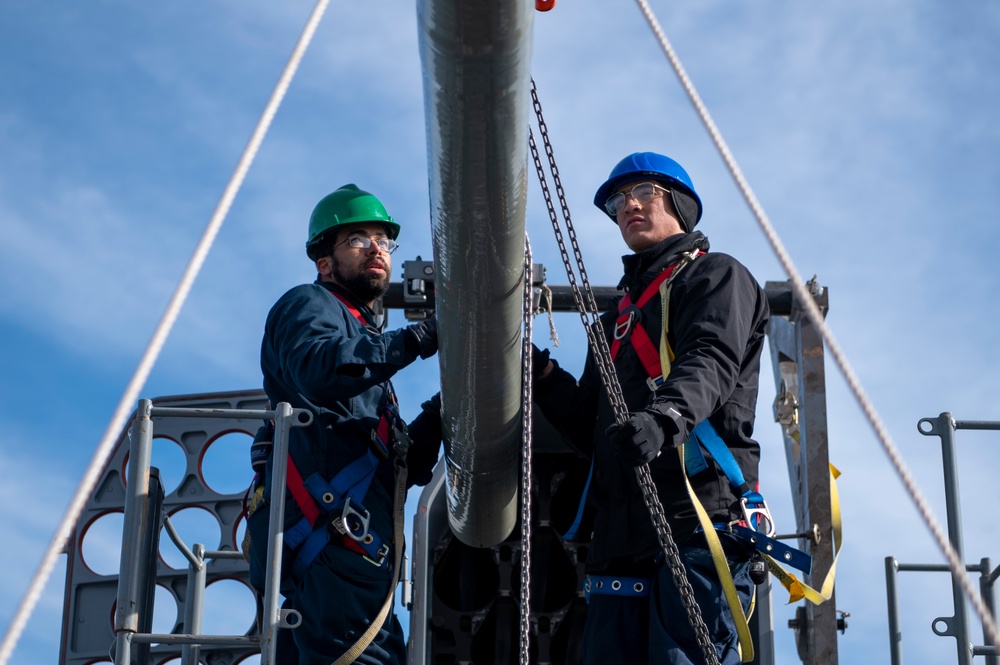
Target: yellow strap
666, 353
796, 589
721, 568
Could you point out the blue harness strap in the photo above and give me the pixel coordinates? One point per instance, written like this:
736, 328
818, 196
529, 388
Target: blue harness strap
344, 493
615, 585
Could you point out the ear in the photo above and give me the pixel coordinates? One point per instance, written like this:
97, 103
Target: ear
324, 265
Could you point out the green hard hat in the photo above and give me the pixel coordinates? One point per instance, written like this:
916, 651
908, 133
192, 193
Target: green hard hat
348, 205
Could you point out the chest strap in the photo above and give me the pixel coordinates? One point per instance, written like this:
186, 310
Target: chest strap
629, 328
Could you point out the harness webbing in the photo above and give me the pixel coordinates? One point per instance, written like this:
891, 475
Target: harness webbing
629, 324
319, 500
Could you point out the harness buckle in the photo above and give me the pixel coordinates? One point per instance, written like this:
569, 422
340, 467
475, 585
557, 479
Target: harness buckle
382, 553
757, 512
351, 523
625, 321
654, 382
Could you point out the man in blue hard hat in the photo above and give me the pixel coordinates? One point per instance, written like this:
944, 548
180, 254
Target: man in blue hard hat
686, 342
324, 350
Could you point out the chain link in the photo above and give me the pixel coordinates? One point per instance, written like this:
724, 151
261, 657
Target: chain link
602, 354
526, 448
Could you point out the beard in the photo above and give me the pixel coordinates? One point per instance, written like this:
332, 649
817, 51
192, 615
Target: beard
365, 287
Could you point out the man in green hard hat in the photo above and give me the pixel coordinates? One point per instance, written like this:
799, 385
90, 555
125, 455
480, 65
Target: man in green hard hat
324, 350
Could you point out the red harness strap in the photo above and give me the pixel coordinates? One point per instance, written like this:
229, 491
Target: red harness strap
351, 308
628, 326
301, 494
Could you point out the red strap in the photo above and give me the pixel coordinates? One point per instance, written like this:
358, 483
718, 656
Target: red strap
647, 351
625, 304
350, 307
301, 495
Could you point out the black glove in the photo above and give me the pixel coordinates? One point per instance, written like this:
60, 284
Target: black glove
638, 440
539, 361
425, 336
425, 442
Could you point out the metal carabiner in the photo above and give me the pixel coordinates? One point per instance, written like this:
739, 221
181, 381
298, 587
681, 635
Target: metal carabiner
342, 523
759, 511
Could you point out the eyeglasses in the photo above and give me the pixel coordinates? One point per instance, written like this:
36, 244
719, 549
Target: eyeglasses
387, 245
644, 192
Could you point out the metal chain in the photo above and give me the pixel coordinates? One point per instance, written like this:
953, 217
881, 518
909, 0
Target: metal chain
609, 378
526, 447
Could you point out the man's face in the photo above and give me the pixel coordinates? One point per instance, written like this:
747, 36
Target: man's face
365, 272
644, 224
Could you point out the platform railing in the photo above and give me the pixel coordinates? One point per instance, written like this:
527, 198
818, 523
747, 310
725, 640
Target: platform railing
956, 626
136, 529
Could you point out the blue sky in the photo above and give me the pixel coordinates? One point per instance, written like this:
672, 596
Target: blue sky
867, 129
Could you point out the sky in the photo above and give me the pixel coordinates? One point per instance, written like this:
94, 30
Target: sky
867, 129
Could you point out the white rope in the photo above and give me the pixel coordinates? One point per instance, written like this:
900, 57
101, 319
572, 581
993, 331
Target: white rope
156, 343
812, 310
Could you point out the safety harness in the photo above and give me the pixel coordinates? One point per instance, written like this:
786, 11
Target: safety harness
757, 526
334, 509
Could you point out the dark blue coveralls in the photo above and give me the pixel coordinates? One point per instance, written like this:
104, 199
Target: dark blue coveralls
717, 315
316, 355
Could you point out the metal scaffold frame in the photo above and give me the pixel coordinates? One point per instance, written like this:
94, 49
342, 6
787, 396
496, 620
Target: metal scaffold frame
944, 427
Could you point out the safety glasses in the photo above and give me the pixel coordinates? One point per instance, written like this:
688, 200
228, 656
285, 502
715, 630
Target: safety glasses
643, 192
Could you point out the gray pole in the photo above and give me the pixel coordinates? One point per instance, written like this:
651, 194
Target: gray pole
272, 616
895, 636
958, 626
136, 499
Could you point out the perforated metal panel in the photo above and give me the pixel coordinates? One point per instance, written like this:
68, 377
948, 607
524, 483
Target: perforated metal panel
88, 611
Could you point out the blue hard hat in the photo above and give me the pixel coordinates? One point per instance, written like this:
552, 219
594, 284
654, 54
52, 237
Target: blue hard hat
657, 167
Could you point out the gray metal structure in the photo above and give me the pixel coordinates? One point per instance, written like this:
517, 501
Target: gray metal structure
112, 614
797, 356
957, 625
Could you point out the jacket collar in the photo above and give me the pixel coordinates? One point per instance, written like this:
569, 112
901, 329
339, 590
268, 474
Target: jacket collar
643, 266
363, 308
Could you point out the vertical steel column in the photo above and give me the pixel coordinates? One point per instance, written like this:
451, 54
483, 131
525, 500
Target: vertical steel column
892, 597
136, 514
194, 608
957, 626
797, 355
989, 599
272, 613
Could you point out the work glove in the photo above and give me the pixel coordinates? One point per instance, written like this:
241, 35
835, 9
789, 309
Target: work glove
425, 442
539, 361
639, 439
425, 336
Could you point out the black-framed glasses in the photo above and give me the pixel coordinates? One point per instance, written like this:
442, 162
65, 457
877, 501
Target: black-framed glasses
387, 245
644, 192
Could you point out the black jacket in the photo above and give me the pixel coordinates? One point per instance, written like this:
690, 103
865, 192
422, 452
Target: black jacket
717, 318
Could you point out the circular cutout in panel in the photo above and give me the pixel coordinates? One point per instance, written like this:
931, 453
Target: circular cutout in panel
169, 458
252, 659
230, 608
225, 464
193, 525
165, 612
101, 548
